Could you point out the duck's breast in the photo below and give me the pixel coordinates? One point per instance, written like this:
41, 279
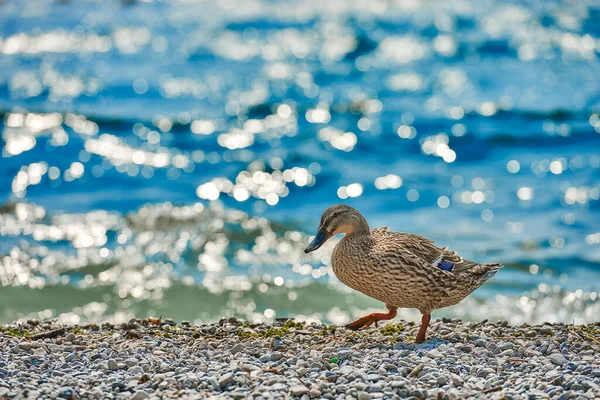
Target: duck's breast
353, 265
350, 265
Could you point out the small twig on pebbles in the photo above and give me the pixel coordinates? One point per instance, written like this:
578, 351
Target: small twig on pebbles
584, 335
416, 370
478, 324
48, 335
134, 334
489, 390
273, 370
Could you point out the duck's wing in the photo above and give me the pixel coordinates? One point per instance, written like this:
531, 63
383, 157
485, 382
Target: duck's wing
429, 257
412, 251
442, 277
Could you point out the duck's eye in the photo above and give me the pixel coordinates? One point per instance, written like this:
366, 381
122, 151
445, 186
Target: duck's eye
330, 219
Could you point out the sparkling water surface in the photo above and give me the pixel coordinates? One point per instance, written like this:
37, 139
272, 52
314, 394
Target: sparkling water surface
173, 157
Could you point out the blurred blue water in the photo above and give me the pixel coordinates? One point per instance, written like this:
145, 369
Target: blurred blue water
122, 123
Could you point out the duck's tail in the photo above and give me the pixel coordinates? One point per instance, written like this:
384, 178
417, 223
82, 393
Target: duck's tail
478, 273
489, 270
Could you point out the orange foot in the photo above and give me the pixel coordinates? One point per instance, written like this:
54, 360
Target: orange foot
368, 320
423, 329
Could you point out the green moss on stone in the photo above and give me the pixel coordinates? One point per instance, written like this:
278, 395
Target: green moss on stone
390, 330
11, 331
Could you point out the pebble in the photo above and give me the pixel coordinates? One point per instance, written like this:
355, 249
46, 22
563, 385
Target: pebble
137, 370
558, 359
112, 365
456, 380
225, 379
130, 362
298, 390
40, 352
373, 377
211, 361
466, 348
434, 354
28, 345
578, 387
140, 395
236, 349
363, 396
278, 387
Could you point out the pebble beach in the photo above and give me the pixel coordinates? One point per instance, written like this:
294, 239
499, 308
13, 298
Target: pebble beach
233, 359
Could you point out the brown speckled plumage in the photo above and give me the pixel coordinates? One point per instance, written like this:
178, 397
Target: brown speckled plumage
400, 269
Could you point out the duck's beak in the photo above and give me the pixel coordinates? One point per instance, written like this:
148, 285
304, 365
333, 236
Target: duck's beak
318, 241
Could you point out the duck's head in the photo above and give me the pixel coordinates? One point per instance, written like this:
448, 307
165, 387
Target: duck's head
338, 219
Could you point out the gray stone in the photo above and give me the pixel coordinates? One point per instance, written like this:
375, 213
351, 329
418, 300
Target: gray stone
139, 395
28, 345
344, 354
364, 396
278, 387
112, 365
546, 330
435, 354
214, 382
225, 379
507, 353
466, 348
298, 390
137, 370
237, 348
130, 362
373, 377
40, 352
456, 380
558, 359
577, 386
53, 348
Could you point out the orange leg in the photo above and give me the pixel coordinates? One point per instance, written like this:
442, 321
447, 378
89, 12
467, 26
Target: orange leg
368, 320
423, 329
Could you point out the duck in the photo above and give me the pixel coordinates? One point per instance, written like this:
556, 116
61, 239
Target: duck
402, 270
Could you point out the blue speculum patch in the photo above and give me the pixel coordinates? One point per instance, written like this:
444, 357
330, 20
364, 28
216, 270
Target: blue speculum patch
446, 265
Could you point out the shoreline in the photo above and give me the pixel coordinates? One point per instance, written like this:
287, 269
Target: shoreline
156, 358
